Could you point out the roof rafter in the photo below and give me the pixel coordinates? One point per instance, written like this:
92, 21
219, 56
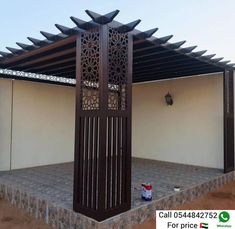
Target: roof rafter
15, 51
198, 53
102, 19
175, 45
128, 27
185, 50
57, 52
66, 30
27, 47
83, 24
52, 37
6, 54
39, 42
155, 43
146, 34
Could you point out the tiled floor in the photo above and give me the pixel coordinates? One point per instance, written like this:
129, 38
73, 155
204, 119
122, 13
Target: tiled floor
55, 182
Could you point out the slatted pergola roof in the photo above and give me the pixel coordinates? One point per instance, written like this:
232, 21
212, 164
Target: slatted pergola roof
153, 58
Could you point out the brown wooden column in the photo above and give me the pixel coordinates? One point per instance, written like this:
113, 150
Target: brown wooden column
228, 121
102, 166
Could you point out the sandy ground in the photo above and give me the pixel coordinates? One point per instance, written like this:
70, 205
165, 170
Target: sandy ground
13, 218
223, 198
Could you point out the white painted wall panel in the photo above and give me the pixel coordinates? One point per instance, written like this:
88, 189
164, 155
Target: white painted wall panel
190, 131
5, 123
43, 124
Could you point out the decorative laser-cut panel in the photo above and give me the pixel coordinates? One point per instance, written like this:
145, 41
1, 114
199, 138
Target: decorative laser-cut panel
102, 171
90, 97
118, 64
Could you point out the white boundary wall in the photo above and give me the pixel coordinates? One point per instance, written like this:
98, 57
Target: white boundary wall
190, 131
43, 124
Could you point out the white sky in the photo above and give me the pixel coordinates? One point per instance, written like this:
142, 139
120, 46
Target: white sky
207, 23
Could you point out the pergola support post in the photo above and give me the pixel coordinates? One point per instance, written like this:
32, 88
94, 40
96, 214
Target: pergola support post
228, 120
102, 165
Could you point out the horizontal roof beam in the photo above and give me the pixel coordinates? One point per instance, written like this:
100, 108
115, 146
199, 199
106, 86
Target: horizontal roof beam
170, 61
46, 57
163, 64
191, 63
63, 55
57, 66
71, 73
60, 69
172, 75
154, 44
186, 50
165, 59
175, 69
51, 63
34, 53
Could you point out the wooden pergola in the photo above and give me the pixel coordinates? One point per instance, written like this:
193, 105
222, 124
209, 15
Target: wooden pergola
102, 58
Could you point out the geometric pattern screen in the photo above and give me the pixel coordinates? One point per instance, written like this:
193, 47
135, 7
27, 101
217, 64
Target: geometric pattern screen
117, 68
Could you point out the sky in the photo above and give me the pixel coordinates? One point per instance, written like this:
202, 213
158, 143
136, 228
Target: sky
209, 24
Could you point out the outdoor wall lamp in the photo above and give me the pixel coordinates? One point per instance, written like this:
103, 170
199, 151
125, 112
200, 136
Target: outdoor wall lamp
169, 99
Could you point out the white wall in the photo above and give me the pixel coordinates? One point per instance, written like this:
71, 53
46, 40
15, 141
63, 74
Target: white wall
190, 131
5, 123
43, 124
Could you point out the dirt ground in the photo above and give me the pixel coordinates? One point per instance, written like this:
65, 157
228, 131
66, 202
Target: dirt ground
13, 218
221, 199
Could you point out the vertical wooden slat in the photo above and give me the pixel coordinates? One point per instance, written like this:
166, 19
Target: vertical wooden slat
109, 162
95, 163
118, 159
91, 142
77, 181
122, 158
114, 162
82, 131
128, 119
86, 161
123, 199
103, 84
228, 121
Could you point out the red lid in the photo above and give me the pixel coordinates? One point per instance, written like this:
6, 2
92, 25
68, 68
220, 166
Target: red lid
147, 186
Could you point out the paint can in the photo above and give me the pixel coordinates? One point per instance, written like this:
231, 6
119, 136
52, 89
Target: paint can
146, 191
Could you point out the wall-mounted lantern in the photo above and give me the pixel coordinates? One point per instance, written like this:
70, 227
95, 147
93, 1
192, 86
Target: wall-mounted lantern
169, 99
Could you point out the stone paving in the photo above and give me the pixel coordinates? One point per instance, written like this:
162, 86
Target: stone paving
55, 182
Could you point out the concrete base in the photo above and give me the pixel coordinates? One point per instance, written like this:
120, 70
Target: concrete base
46, 192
